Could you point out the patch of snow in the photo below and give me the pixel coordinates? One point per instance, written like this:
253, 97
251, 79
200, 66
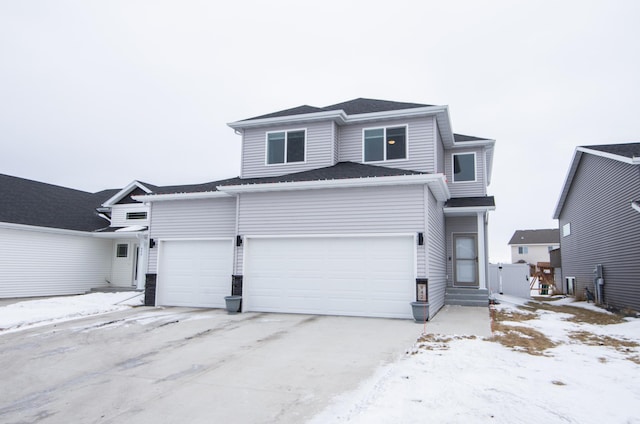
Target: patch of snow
477, 380
30, 313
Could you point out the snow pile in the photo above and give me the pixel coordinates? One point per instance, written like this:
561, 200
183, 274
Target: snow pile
32, 313
462, 379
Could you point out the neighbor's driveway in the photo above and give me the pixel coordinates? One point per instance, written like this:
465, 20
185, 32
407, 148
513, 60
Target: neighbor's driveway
182, 365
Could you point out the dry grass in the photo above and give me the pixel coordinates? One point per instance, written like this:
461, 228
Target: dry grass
438, 341
579, 315
525, 339
519, 338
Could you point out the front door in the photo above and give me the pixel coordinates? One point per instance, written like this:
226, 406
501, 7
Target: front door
465, 260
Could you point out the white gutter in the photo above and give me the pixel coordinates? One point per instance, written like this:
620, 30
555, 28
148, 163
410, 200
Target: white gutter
38, 229
180, 196
437, 183
631, 161
338, 116
467, 210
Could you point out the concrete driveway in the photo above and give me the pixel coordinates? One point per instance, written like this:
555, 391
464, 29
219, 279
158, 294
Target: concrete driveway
183, 365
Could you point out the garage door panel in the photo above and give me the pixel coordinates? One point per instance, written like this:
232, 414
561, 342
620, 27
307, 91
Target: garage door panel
195, 273
359, 276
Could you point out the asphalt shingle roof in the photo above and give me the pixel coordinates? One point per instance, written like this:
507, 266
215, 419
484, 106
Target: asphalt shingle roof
545, 236
351, 107
629, 150
340, 171
39, 204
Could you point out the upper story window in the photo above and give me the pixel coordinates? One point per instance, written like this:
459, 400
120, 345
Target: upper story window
382, 144
523, 250
285, 146
136, 215
464, 167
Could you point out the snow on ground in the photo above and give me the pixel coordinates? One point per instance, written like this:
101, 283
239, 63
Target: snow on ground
457, 379
31, 313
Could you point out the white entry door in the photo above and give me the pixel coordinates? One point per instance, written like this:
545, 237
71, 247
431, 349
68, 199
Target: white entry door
194, 273
359, 276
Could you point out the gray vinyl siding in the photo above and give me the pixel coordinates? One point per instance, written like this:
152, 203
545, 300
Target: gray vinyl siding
436, 246
184, 219
467, 189
335, 211
604, 229
318, 150
439, 154
461, 224
45, 264
336, 145
421, 142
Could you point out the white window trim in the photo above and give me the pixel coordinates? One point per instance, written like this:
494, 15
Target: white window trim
286, 140
118, 248
475, 166
129, 218
566, 229
384, 150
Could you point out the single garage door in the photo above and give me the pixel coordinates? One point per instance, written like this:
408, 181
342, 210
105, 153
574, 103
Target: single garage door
358, 276
194, 273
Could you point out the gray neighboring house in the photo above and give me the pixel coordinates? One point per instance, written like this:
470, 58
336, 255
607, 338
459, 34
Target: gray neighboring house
58, 241
599, 219
338, 210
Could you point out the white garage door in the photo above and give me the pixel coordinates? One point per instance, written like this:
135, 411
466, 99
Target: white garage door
358, 276
194, 273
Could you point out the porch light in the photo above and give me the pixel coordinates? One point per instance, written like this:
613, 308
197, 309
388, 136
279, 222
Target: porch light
391, 142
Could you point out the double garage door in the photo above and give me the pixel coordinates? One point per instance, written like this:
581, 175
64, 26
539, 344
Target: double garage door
358, 276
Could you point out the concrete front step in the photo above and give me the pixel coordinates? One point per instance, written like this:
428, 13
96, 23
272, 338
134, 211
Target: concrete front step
466, 296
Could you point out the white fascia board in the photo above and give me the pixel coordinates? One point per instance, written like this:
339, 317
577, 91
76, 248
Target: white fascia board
122, 193
334, 115
392, 114
631, 161
132, 235
488, 143
470, 210
436, 182
23, 227
340, 117
180, 196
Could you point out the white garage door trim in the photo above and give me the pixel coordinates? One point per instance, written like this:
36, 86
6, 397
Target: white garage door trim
194, 272
331, 274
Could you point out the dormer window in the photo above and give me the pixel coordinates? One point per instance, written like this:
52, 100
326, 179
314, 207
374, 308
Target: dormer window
381, 144
285, 147
136, 215
464, 167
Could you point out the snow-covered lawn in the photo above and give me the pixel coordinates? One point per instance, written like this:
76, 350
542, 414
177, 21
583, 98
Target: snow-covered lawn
557, 362
31, 313
554, 370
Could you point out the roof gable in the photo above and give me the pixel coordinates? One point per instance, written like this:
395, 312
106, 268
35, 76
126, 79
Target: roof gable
124, 195
628, 153
544, 236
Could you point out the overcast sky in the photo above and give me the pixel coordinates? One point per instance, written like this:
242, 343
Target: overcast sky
96, 94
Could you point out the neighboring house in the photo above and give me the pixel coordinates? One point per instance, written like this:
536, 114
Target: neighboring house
338, 210
599, 219
533, 246
56, 240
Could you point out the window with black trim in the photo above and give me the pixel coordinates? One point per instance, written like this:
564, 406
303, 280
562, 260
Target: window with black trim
136, 215
285, 147
382, 144
122, 250
464, 167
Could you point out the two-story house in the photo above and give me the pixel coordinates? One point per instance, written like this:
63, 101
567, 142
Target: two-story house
58, 241
534, 246
338, 210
